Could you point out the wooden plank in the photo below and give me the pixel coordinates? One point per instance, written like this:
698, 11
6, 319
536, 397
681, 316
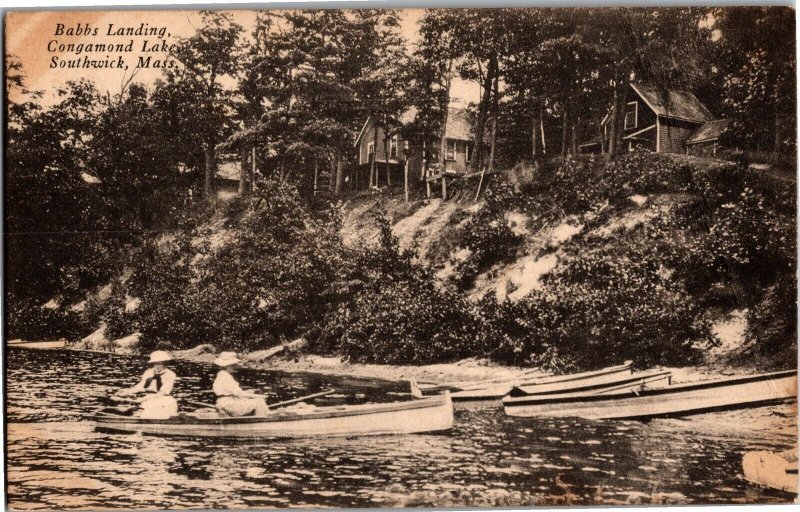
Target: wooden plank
434, 177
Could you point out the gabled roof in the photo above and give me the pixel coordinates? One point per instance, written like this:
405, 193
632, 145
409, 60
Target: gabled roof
459, 126
677, 104
709, 131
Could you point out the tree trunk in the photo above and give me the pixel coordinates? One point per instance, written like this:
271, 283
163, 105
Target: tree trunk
574, 140
316, 175
778, 125
564, 129
386, 157
405, 178
445, 116
480, 123
373, 167
211, 170
541, 128
534, 140
495, 114
621, 81
339, 178
244, 173
601, 137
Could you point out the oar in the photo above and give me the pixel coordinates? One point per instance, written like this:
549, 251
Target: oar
275, 405
200, 404
301, 399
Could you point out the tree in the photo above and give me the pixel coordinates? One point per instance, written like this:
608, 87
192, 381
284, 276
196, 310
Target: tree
207, 56
660, 46
758, 67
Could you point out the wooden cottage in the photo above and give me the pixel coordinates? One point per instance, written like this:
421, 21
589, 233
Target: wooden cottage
662, 122
402, 147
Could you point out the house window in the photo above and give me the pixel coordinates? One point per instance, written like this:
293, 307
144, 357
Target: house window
468, 150
393, 147
450, 154
370, 151
632, 115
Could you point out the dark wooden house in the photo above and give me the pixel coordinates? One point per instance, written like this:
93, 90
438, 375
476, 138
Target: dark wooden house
399, 150
662, 122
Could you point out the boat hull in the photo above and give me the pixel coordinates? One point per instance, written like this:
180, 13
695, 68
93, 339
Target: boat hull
774, 470
671, 401
416, 417
550, 384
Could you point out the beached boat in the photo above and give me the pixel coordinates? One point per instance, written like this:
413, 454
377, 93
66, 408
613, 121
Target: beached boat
616, 382
774, 470
560, 383
413, 417
38, 345
671, 401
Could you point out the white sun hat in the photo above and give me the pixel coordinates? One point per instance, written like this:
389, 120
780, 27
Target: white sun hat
160, 356
226, 359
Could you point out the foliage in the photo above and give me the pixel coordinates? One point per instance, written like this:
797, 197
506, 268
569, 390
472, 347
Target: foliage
486, 235
772, 323
756, 58
597, 310
30, 320
398, 314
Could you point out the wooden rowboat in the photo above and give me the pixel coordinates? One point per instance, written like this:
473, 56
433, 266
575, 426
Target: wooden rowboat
671, 401
38, 345
414, 417
774, 470
560, 383
614, 383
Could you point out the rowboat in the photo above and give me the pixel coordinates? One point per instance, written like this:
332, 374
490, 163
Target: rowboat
774, 470
413, 417
671, 401
616, 382
38, 345
562, 383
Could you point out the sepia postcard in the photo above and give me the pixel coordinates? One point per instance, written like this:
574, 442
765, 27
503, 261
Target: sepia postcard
398, 258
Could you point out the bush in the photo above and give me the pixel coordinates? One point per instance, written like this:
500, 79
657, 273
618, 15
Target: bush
391, 310
600, 309
28, 320
772, 323
486, 235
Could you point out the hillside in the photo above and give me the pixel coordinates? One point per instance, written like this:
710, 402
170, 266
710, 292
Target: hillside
661, 259
548, 245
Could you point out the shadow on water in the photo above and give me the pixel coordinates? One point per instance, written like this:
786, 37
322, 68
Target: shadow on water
57, 459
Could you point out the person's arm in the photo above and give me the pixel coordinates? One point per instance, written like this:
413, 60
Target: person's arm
228, 386
138, 388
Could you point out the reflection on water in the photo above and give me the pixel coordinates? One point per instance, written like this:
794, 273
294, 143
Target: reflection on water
56, 459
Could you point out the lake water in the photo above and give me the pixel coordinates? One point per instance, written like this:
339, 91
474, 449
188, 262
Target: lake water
56, 459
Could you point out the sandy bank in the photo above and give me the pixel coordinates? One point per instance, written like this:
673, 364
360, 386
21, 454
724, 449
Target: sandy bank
464, 370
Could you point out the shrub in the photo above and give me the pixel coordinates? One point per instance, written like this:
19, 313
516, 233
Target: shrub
391, 310
772, 323
600, 309
28, 320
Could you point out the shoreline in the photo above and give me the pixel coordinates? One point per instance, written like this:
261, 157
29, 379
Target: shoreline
465, 370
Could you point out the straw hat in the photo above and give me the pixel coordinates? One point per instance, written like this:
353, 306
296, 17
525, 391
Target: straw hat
160, 356
226, 359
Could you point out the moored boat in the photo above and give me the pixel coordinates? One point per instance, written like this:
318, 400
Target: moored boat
429, 415
671, 401
616, 382
38, 345
552, 383
773, 470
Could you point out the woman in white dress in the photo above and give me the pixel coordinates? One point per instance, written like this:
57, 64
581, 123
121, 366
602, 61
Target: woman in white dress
232, 400
157, 383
